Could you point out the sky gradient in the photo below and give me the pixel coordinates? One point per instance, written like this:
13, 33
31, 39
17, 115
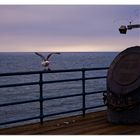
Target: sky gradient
67, 28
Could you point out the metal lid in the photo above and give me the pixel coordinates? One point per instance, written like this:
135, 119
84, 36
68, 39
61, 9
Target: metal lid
124, 72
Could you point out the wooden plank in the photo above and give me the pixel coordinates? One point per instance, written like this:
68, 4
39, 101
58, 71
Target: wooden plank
49, 125
93, 123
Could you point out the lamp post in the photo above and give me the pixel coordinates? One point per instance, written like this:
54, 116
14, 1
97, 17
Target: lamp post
123, 29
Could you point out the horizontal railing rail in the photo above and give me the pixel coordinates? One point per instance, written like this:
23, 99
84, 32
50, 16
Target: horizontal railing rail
53, 71
41, 99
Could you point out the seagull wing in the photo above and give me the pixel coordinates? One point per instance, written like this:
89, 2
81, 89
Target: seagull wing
40, 55
51, 55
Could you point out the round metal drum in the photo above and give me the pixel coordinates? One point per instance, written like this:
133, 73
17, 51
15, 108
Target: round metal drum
123, 87
124, 72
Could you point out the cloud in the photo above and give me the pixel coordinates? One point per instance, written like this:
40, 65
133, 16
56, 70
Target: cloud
32, 27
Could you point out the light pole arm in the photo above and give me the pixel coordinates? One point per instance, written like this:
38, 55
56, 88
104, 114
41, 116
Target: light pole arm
129, 27
123, 29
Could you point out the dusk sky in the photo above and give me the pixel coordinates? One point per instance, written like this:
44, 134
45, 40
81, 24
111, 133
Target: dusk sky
67, 28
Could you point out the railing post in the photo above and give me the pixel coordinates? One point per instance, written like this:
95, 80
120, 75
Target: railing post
83, 91
41, 97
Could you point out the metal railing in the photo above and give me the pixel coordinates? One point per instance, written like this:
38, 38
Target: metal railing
41, 99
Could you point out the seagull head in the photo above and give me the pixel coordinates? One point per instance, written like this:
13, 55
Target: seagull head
45, 63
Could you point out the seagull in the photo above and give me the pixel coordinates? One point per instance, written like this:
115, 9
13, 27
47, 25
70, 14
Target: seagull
45, 60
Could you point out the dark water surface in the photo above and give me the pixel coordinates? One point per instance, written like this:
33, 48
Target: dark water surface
15, 62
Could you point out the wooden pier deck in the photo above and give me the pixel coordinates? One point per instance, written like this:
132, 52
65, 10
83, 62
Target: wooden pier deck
92, 124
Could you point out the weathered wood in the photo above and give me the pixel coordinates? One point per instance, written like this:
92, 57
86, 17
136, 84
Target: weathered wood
92, 123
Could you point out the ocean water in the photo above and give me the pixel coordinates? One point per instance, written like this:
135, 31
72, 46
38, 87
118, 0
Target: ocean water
20, 62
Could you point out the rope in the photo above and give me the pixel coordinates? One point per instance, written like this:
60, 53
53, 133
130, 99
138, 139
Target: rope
120, 102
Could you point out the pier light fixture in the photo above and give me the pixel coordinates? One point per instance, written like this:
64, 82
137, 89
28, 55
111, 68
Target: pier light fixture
123, 29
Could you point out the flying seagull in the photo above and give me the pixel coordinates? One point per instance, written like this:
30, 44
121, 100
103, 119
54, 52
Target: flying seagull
45, 60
